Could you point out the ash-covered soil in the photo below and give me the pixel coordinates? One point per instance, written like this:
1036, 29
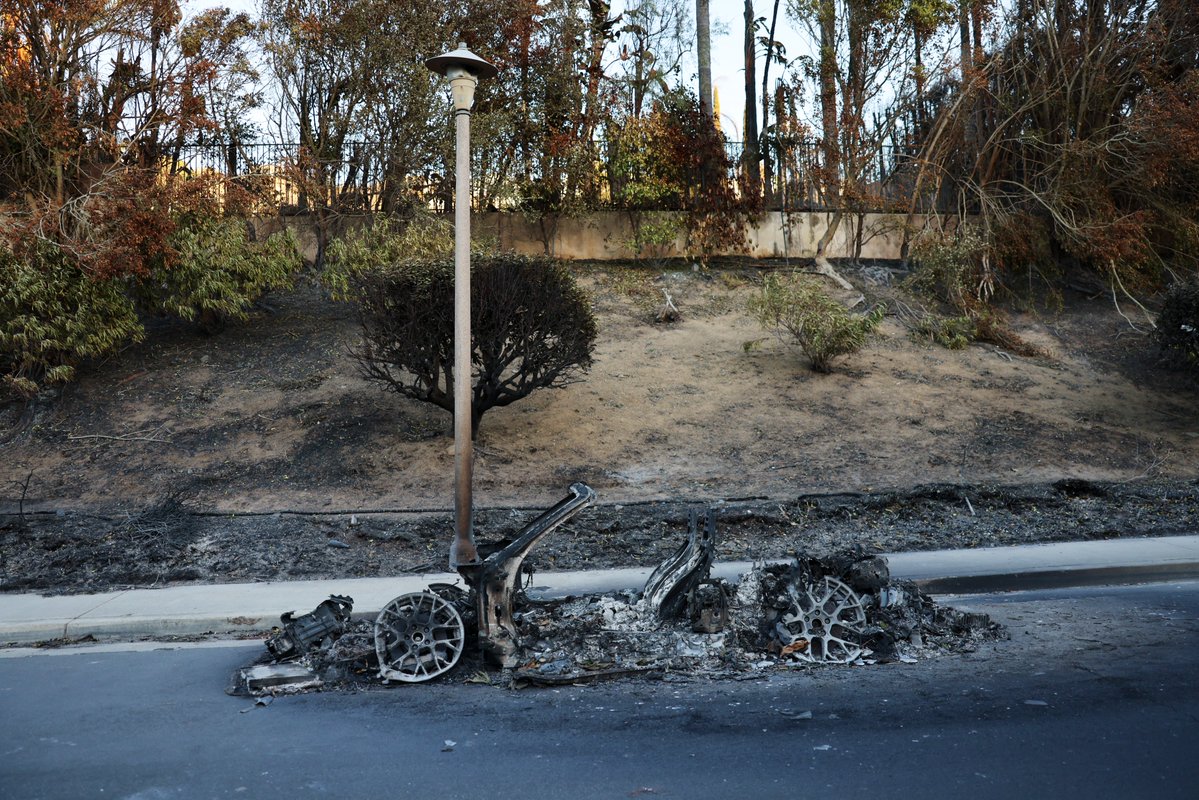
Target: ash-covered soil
262, 453
170, 542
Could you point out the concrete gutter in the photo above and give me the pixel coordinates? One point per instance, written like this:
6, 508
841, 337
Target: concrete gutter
249, 608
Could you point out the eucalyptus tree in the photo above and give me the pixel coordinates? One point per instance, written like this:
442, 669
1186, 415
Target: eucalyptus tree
654, 38
864, 85
703, 51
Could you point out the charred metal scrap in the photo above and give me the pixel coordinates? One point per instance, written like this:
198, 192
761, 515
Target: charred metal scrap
845, 609
670, 586
303, 651
299, 634
837, 609
498, 578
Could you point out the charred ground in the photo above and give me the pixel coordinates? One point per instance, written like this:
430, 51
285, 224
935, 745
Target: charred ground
258, 452
171, 542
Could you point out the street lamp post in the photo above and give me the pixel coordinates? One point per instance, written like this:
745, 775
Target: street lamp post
464, 69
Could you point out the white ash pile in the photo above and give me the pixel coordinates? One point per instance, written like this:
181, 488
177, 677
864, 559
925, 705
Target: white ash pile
576, 638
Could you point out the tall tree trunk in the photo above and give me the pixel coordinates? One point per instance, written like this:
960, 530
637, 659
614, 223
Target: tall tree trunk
599, 29
853, 107
828, 100
967, 53
970, 137
918, 73
526, 157
833, 155
976, 23
767, 154
599, 25
703, 47
749, 154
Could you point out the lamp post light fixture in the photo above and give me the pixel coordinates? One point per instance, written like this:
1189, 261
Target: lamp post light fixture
464, 69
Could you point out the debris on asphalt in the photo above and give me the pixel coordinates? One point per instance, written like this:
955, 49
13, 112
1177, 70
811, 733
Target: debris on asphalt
277, 679
527, 677
786, 712
837, 609
842, 609
261, 701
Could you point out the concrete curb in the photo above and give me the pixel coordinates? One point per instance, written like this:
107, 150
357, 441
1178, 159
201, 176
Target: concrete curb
243, 609
1061, 579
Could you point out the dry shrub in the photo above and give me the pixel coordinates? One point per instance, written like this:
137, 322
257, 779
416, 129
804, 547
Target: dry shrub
1177, 331
824, 328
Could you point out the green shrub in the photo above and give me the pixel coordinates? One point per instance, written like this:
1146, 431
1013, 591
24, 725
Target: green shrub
379, 247
53, 315
1177, 331
824, 328
951, 270
947, 268
954, 333
653, 235
217, 271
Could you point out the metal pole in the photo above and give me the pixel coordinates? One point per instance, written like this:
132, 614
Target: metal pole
462, 552
464, 69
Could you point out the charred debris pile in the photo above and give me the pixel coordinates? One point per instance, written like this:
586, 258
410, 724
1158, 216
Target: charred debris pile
841, 609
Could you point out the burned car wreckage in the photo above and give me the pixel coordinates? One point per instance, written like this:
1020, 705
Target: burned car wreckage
840, 609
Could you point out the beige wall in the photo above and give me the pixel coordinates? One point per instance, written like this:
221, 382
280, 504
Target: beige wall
604, 235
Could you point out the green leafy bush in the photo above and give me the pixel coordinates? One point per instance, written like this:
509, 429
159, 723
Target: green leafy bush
53, 315
654, 235
377, 248
947, 268
951, 269
954, 333
216, 271
531, 325
824, 328
1177, 331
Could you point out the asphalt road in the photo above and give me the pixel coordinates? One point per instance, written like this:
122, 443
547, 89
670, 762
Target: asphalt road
1095, 695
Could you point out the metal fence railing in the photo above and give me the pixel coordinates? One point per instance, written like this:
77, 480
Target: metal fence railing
369, 177
286, 176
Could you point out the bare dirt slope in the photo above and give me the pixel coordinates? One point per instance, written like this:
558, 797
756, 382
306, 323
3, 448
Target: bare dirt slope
272, 416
